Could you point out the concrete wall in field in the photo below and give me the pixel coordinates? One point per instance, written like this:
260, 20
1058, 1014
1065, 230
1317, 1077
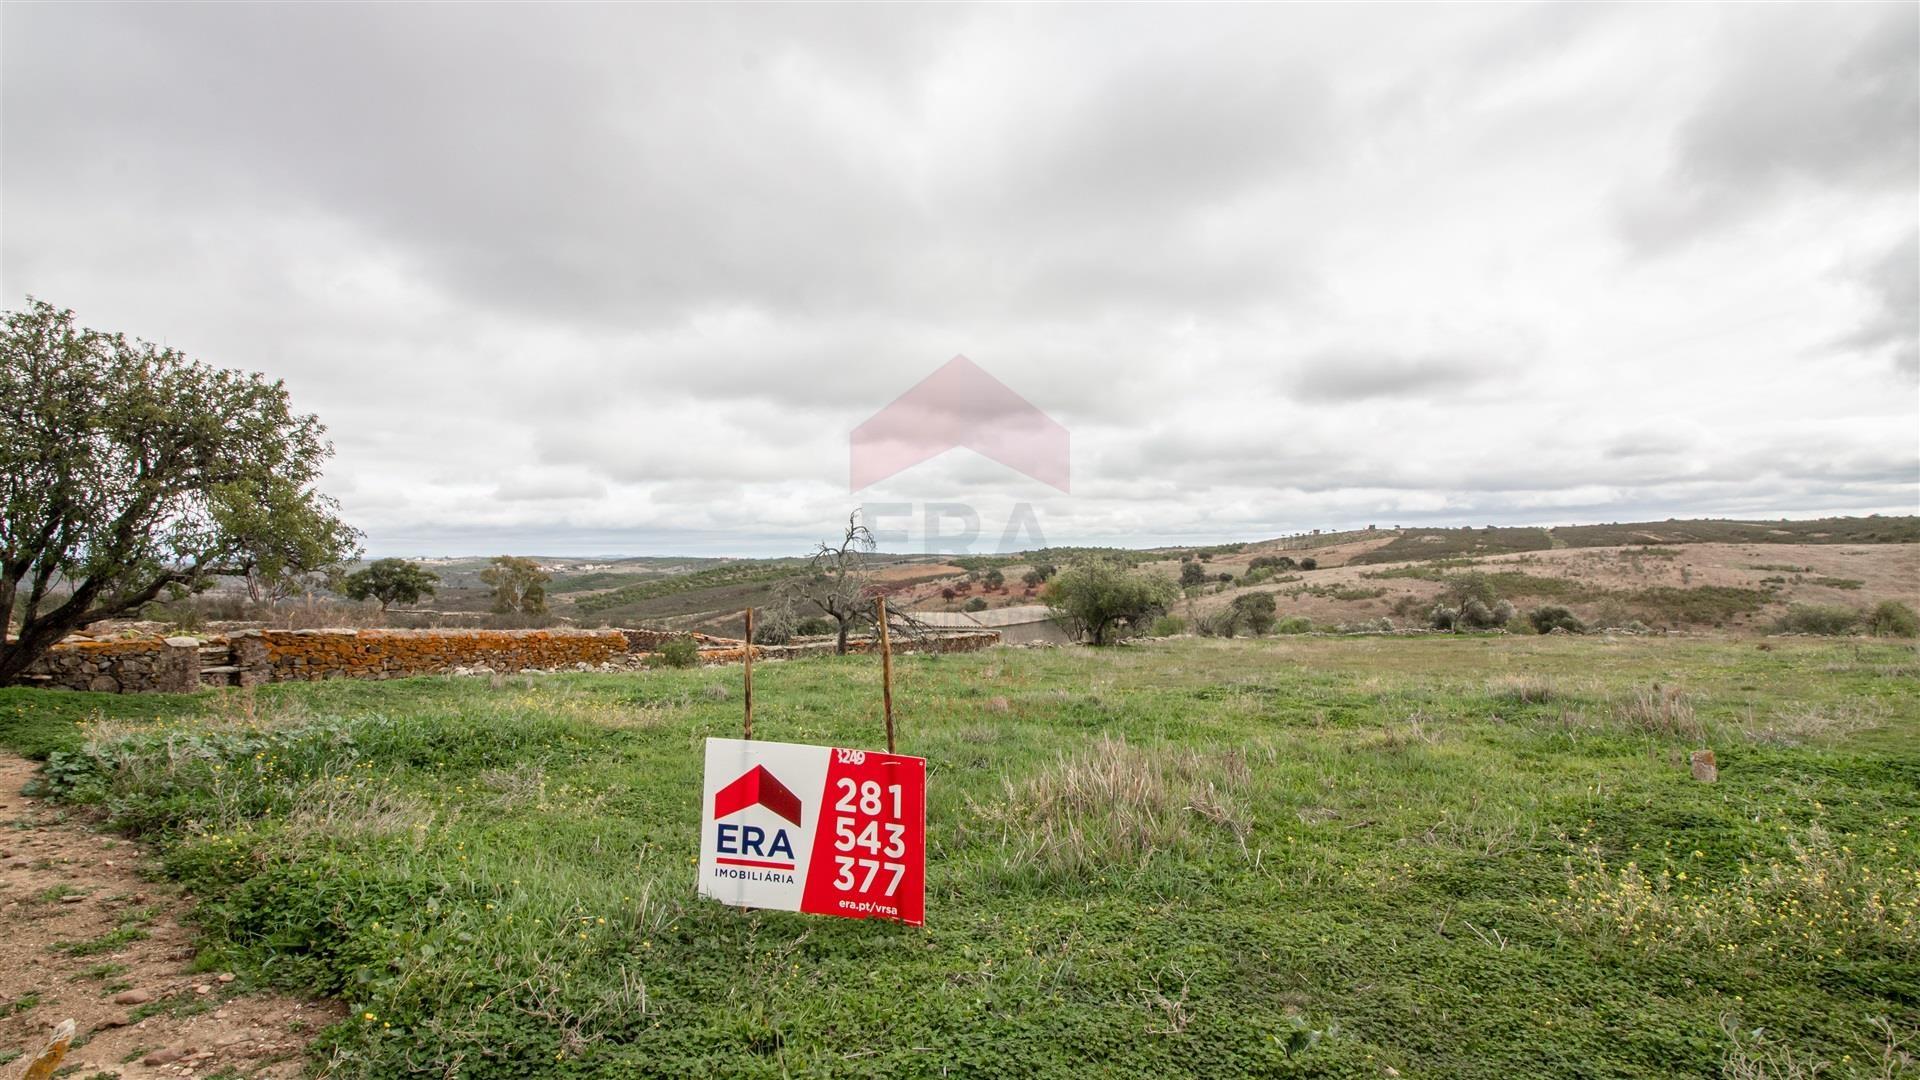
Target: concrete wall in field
170, 665
296, 655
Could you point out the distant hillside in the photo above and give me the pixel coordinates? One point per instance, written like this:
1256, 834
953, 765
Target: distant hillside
1414, 544
1699, 574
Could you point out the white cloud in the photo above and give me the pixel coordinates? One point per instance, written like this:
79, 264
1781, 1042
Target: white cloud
622, 279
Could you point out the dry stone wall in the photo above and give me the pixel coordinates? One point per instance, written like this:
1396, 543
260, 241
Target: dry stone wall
296, 655
173, 665
169, 665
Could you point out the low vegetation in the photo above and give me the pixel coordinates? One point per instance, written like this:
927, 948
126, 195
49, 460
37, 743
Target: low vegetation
1472, 856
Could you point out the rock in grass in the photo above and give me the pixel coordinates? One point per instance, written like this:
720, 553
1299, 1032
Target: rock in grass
1705, 769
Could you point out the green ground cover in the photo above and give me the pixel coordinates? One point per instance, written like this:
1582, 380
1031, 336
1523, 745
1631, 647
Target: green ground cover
1446, 857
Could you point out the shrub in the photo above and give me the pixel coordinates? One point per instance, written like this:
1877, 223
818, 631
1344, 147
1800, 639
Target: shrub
1818, 619
1309, 563
1223, 578
978, 603
1551, 617
994, 578
1443, 617
948, 593
1477, 616
680, 652
1272, 562
1293, 624
1256, 611
773, 625
1191, 574
1168, 626
1224, 623
814, 626
1503, 613
1891, 618
1033, 579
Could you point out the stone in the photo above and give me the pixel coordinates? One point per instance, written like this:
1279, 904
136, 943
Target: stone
203, 988
1705, 769
133, 997
165, 1056
226, 976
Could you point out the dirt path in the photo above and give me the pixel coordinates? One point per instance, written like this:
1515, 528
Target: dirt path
83, 935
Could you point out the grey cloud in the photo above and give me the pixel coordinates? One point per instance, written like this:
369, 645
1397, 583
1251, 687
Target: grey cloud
1893, 281
1354, 375
595, 272
1815, 97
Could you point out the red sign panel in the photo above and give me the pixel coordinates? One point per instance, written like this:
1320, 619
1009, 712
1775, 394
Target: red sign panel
819, 829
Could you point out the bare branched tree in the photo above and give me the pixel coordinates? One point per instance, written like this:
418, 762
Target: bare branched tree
838, 582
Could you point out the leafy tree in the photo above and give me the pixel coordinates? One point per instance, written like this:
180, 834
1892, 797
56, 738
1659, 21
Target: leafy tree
282, 549
1100, 594
1033, 579
1191, 574
837, 581
519, 586
128, 470
1046, 570
390, 581
1466, 588
994, 578
978, 603
1255, 611
1309, 563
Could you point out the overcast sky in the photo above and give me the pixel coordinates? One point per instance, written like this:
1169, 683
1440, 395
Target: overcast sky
597, 279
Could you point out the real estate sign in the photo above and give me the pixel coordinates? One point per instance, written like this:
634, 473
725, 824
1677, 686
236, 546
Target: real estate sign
819, 829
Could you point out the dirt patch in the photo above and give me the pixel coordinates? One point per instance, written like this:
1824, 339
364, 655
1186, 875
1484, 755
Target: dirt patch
84, 935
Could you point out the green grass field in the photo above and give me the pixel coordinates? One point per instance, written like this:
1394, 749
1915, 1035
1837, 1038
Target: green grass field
1342, 857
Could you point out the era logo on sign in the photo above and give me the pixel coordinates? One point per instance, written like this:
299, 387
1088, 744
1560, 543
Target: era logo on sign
750, 845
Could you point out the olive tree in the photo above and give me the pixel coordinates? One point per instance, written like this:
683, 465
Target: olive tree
128, 470
1098, 595
390, 581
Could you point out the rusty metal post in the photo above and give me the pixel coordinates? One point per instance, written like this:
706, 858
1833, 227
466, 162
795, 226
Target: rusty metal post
886, 672
749, 675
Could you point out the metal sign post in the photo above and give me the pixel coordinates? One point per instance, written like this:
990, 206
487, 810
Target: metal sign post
886, 672
748, 729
